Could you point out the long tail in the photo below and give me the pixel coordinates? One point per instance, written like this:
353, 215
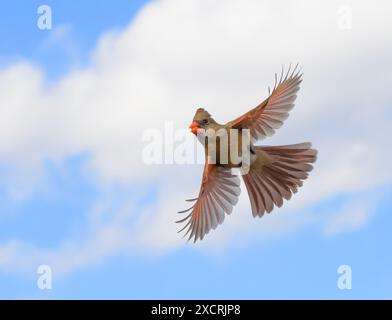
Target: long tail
276, 174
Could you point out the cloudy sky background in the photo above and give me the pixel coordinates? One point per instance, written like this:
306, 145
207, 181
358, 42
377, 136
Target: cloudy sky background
76, 100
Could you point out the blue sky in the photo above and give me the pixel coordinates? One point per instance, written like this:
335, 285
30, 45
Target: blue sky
70, 188
85, 25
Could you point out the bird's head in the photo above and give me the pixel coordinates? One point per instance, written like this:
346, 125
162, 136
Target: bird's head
201, 121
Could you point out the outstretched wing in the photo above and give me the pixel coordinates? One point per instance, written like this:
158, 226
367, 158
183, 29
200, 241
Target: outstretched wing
218, 194
270, 114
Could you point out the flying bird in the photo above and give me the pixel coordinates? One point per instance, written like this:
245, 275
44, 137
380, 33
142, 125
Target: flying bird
274, 172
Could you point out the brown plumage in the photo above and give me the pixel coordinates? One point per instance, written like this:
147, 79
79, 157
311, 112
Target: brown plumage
274, 174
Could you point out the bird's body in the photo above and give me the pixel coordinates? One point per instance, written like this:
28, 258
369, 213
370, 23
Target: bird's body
272, 173
226, 144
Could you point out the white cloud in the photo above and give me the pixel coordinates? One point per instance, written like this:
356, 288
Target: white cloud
349, 218
177, 55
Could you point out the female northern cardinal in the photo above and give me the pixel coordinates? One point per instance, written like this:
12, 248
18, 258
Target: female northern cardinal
274, 174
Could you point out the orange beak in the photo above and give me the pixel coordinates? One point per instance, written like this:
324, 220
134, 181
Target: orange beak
194, 126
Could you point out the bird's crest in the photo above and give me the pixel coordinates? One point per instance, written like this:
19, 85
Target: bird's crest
201, 114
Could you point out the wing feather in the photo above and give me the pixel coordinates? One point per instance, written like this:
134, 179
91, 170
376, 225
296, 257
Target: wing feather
264, 119
218, 194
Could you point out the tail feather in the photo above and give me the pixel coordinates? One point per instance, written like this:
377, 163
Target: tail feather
269, 182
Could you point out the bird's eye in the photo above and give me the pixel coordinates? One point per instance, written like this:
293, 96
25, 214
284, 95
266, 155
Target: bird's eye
205, 121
